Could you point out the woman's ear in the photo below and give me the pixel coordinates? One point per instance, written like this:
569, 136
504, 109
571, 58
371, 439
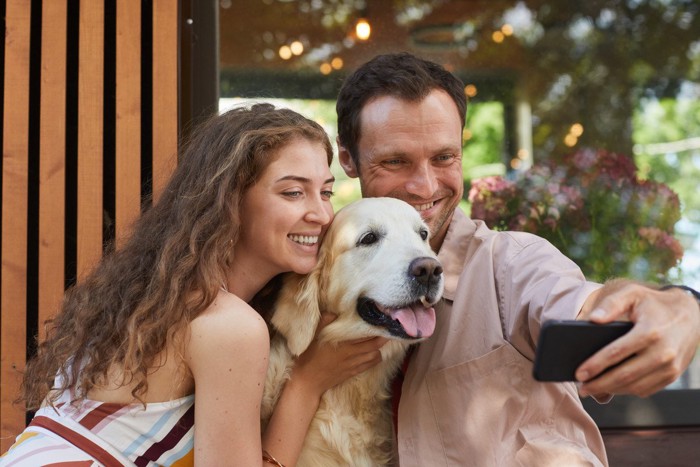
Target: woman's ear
346, 161
297, 313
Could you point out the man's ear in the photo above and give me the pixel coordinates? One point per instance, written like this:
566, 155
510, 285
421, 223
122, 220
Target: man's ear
346, 161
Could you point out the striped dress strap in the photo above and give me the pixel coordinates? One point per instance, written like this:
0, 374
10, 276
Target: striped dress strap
82, 439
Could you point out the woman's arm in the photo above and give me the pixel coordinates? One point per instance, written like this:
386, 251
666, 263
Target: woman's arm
228, 355
318, 369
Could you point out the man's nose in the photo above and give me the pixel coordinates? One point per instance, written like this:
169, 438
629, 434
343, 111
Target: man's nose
422, 182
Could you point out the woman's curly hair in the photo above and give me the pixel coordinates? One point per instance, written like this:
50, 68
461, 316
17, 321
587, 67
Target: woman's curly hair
141, 296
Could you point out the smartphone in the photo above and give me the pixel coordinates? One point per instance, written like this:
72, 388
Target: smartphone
563, 345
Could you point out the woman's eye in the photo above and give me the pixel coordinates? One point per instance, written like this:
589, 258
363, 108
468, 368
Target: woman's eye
368, 238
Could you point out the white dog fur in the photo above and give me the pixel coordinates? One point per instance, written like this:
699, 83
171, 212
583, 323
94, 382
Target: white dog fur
377, 249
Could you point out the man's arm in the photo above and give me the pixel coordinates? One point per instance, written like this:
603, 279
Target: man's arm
664, 339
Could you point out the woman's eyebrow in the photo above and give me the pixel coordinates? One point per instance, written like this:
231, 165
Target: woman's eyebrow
301, 179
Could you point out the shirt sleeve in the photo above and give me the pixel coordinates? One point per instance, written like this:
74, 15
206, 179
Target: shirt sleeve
535, 282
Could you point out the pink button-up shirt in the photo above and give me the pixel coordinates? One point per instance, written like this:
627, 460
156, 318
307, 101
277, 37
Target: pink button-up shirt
469, 398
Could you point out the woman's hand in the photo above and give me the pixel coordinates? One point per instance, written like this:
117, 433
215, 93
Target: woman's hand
324, 365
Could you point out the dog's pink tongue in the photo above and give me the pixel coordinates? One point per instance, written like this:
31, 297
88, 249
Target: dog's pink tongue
417, 321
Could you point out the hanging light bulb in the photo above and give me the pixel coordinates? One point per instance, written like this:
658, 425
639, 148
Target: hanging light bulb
363, 29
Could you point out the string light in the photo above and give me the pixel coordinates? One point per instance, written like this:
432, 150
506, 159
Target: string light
337, 63
285, 52
325, 68
362, 29
576, 129
571, 139
296, 47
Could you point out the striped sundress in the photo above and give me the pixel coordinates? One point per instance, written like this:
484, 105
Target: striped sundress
100, 433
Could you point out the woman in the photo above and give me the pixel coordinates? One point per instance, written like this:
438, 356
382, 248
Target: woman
162, 333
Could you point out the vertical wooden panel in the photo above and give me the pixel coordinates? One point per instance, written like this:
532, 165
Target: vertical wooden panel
165, 102
90, 135
52, 164
128, 118
14, 217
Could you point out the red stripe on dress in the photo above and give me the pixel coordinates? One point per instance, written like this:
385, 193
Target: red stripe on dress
77, 440
99, 413
170, 440
71, 464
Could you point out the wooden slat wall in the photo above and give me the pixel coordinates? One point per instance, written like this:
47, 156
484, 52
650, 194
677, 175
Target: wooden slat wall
60, 234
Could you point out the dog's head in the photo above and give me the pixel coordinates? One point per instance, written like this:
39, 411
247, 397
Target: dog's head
376, 271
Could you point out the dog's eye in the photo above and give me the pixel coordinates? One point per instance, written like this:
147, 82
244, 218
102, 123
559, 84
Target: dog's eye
368, 238
424, 234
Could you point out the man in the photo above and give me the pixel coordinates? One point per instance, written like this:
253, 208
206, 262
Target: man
468, 397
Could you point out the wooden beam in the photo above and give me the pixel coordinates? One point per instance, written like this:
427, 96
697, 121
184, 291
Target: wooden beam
128, 118
90, 136
13, 307
52, 159
165, 91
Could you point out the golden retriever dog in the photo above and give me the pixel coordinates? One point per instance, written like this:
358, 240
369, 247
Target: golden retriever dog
376, 271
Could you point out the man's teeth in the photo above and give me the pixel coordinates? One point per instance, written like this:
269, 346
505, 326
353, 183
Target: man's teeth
304, 239
424, 207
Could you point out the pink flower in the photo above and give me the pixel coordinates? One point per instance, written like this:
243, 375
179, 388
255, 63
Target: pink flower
593, 207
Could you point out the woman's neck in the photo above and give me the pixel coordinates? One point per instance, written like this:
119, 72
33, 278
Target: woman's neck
245, 283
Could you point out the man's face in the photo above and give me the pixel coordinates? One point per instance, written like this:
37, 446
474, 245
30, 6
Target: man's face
412, 151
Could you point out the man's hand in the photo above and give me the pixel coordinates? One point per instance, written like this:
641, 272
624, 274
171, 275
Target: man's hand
663, 341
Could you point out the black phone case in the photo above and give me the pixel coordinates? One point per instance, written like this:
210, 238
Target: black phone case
564, 345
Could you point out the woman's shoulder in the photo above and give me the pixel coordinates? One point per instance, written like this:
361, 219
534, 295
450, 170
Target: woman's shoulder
229, 318
229, 329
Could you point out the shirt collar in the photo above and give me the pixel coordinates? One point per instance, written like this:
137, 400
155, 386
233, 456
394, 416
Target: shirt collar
453, 251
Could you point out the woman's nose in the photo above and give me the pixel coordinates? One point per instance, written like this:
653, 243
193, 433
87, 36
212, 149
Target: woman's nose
319, 211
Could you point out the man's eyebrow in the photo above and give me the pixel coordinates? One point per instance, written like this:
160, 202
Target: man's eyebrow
450, 149
299, 178
398, 152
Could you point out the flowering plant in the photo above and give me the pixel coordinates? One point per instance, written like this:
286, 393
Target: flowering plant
594, 209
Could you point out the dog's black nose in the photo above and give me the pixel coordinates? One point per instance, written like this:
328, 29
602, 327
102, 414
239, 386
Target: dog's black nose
424, 269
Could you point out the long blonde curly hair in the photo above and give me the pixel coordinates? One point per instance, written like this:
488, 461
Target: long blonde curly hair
146, 292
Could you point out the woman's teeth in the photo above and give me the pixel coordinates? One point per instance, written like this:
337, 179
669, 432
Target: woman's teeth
304, 239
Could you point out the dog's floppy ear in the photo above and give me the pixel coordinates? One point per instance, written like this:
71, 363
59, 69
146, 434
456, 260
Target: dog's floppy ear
297, 311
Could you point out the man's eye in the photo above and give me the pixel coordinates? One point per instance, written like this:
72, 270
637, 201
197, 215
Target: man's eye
444, 159
392, 162
327, 194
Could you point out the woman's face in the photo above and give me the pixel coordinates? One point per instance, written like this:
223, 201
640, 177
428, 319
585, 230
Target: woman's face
285, 214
